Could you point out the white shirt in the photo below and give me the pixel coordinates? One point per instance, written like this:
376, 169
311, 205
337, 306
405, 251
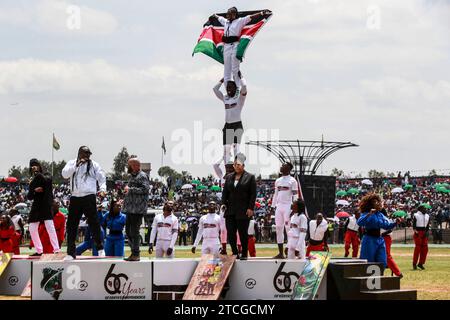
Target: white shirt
382, 230
165, 228
233, 105
317, 232
15, 219
421, 219
298, 222
82, 184
208, 227
286, 191
352, 225
251, 228
233, 28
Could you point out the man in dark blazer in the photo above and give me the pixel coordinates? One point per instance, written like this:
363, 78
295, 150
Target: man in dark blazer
238, 197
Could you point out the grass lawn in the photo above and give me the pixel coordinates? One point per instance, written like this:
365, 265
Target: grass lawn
431, 284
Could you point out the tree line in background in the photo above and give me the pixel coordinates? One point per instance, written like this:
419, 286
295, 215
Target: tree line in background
373, 174
119, 170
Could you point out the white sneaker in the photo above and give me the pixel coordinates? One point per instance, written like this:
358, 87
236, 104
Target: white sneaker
68, 258
101, 253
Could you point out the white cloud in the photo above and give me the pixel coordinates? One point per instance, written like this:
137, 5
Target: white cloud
27, 76
54, 17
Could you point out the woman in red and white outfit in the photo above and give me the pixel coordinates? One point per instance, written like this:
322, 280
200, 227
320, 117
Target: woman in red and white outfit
7, 233
386, 234
421, 224
352, 236
318, 234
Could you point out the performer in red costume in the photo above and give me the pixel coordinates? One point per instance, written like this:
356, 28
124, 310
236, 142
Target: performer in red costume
7, 233
318, 234
421, 224
352, 236
386, 234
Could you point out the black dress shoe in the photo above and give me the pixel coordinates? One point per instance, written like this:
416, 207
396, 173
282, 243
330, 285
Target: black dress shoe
279, 256
243, 258
421, 266
36, 254
414, 267
133, 258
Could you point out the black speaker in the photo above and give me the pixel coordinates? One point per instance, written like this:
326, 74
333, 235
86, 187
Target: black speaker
319, 194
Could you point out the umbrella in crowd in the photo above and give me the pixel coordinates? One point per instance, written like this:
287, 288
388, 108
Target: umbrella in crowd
442, 189
341, 202
190, 219
341, 193
353, 191
397, 190
367, 182
400, 214
186, 186
11, 179
425, 205
20, 205
215, 188
342, 214
201, 187
408, 186
196, 182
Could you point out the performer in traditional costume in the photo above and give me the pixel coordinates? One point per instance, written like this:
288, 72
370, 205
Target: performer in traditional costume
421, 225
373, 247
286, 192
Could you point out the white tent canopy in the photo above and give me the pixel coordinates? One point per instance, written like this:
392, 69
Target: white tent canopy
397, 190
344, 203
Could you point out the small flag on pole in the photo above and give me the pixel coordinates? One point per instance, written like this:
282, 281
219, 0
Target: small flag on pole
56, 145
163, 146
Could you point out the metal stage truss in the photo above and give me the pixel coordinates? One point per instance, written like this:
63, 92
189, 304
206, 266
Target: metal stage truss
306, 156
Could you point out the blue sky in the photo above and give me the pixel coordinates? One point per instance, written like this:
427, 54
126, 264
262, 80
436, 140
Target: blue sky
372, 72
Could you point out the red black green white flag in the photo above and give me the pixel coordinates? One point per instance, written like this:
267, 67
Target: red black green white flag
210, 40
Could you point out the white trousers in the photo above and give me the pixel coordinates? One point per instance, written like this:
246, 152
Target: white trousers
282, 220
161, 249
34, 233
211, 246
292, 244
231, 63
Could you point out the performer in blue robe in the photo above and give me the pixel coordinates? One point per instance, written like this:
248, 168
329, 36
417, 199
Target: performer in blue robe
88, 242
114, 222
373, 247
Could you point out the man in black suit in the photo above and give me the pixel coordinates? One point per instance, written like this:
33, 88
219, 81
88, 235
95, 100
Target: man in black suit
238, 197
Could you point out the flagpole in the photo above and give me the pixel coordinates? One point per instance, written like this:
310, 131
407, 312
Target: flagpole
53, 151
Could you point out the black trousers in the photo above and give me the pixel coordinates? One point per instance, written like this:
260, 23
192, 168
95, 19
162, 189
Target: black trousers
132, 227
241, 226
77, 207
232, 132
182, 238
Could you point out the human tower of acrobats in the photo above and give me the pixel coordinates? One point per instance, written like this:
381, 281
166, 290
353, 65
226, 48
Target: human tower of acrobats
225, 38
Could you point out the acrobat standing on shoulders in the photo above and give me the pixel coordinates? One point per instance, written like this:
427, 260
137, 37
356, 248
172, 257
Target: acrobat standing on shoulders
233, 26
233, 130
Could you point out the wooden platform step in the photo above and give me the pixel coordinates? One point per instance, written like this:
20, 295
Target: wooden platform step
367, 283
389, 294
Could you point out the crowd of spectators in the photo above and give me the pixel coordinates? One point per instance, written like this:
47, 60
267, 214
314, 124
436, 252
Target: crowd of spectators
191, 202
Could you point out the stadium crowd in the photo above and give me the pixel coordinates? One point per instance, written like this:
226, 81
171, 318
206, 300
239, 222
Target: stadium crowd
401, 195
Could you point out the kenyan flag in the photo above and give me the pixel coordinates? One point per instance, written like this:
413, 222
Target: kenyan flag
210, 40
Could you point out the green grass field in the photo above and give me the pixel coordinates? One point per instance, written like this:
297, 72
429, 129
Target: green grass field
431, 284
